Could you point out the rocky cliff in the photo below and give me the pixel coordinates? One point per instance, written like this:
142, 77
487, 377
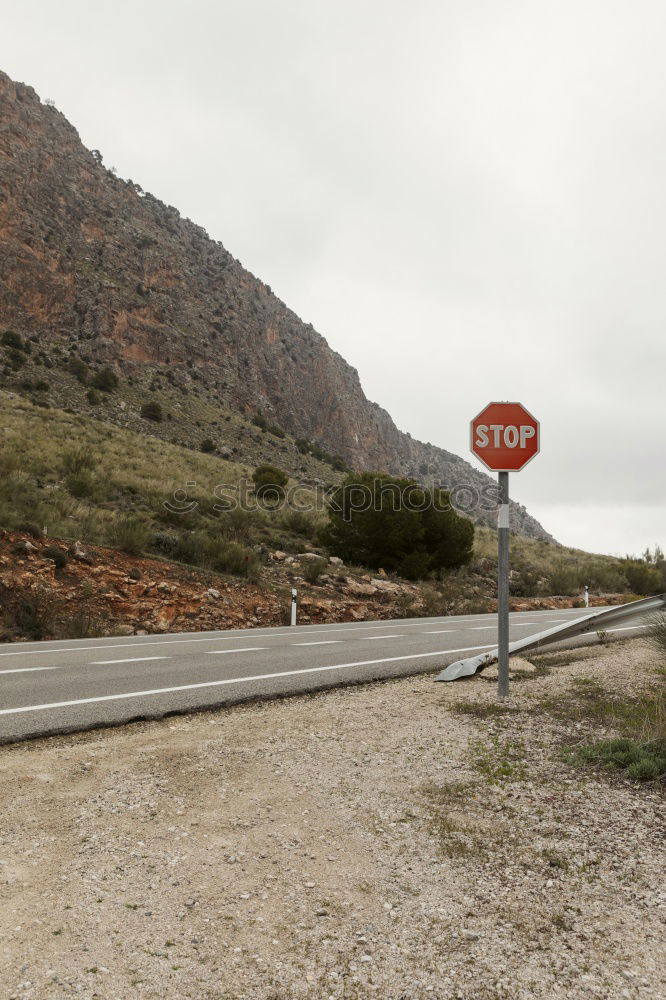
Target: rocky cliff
92, 265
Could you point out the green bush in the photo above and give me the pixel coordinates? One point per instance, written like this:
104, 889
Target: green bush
130, 535
81, 484
198, 548
79, 369
565, 580
56, 555
314, 568
77, 460
269, 483
105, 380
300, 523
394, 524
656, 631
642, 761
93, 397
12, 339
16, 359
152, 411
208, 446
642, 579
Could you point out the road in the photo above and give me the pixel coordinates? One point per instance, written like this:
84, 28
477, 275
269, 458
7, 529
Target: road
51, 687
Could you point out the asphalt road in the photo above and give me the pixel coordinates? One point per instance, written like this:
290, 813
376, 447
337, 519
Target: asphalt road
51, 687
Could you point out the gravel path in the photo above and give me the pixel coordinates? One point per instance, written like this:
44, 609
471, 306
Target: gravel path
358, 843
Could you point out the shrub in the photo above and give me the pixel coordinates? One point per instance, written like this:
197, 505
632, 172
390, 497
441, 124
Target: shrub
656, 631
41, 385
300, 523
302, 445
77, 460
314, 568
105, 380
642, 579
79, 369
152, 411
208, 446
269, 483
129, 534
16, 359
93, 397
56, 555
81, 484
380, 521
12, 339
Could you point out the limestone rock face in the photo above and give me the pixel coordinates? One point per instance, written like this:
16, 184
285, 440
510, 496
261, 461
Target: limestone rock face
90, 260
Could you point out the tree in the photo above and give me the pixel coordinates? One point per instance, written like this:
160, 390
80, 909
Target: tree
382, 521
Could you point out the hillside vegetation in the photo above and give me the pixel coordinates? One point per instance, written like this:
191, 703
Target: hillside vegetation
73, 477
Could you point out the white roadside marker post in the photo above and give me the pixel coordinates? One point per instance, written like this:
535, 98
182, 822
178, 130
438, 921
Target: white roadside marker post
294, 605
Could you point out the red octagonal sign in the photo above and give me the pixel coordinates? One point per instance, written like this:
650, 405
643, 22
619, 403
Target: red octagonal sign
505, 436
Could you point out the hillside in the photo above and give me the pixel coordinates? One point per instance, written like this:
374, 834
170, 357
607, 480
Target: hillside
95, 273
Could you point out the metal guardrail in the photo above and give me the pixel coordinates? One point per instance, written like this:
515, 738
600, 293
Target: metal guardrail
589, 623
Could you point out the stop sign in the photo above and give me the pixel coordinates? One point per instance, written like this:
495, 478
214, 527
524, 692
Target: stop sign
505, 436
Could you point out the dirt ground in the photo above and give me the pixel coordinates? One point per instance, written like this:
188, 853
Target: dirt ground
399, 841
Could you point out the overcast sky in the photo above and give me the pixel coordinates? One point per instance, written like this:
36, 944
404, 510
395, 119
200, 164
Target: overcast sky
467, 199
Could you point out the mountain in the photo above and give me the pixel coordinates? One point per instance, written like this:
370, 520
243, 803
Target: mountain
93, 267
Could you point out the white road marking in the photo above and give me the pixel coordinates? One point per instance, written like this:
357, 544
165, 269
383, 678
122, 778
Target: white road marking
440, 631
132, 659
230, 680
370, 638
479, 628
318, 642
26, 670
247, 649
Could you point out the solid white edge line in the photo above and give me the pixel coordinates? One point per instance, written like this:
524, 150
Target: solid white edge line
229, 680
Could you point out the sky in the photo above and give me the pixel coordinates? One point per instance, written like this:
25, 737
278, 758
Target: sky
468, 200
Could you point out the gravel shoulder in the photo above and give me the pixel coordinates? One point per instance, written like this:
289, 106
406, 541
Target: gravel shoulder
399, 840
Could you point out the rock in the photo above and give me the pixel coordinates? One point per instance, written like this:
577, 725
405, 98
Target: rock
279, 556
77, 552
516, 664
470, 935
212, 594
24, 548
122, 630
308, 555
135, 573
335, 561
225, 451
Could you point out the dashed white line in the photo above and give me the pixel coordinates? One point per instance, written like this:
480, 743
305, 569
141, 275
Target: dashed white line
26, 670
132, 659
370, 638
247, 649
319, 642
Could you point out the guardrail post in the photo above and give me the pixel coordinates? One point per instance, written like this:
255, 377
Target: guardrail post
503, 584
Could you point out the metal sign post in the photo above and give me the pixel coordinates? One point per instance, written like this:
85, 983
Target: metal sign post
503, 584
505, 437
